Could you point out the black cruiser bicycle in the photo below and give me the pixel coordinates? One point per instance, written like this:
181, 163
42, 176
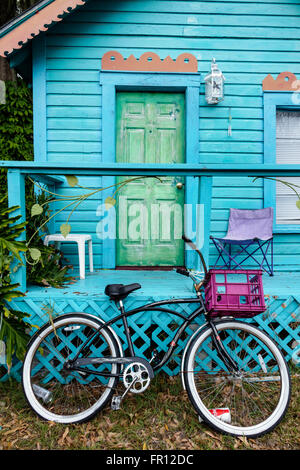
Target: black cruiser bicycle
235, 375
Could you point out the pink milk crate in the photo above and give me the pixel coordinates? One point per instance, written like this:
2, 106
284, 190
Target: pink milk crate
237, 293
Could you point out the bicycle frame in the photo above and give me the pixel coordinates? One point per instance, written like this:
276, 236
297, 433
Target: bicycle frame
154, 307
157, 307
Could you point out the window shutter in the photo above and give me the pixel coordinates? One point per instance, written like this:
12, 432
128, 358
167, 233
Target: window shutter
287, 151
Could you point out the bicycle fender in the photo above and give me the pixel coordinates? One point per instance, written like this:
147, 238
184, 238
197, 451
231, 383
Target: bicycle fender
185, 351
111, 330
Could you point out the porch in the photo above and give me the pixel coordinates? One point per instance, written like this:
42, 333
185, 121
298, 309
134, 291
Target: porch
155, 329
158, 284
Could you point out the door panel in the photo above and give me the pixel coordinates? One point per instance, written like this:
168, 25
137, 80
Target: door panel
150, 129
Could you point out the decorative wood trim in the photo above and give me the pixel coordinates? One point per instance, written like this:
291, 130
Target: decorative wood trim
34, 25
285, 81
149, 62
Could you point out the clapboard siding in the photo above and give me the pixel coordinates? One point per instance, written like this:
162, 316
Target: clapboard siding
172, 18
53, 52
83, 220
222, 8
249, 40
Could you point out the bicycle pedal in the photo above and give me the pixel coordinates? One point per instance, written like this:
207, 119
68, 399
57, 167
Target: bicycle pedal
116, 402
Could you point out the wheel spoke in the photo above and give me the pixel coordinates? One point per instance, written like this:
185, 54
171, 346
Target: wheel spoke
253, 393
70, 393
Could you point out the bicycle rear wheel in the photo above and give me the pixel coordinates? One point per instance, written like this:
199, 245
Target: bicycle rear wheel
64, 396
256, 398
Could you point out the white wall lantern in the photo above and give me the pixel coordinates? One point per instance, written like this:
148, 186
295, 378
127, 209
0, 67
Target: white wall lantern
214, 85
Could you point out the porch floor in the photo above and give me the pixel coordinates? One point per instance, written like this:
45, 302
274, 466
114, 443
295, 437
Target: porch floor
157, 284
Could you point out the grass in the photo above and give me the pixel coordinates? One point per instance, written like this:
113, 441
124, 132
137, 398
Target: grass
161, 418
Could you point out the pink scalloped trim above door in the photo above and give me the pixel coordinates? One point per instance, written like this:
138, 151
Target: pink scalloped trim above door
149, 62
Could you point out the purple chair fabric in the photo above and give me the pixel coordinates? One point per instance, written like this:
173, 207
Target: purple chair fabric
248, 224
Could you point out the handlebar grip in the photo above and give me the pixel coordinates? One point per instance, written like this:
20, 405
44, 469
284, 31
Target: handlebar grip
182, 271
186, 239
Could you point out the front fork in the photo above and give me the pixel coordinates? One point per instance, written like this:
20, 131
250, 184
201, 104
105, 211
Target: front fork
228, 361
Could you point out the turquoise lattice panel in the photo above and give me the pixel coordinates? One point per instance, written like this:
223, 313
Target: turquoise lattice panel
282, 322
14, 372
151, 330
164, 326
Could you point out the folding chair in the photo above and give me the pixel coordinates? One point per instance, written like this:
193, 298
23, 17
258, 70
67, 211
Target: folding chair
252, 232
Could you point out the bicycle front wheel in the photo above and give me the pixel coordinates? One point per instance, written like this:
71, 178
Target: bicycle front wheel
248, 403
61, 395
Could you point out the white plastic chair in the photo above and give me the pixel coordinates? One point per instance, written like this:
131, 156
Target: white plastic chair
80, 240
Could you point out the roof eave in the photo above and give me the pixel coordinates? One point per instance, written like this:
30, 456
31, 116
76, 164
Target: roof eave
16, 21
17, 33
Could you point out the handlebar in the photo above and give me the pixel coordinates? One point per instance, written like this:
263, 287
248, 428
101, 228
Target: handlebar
192, 245
185, 272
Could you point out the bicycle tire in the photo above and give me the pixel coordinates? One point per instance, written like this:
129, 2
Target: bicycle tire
253, 385
43, 372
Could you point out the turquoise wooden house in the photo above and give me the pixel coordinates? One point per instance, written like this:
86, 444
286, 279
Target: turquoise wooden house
119, 91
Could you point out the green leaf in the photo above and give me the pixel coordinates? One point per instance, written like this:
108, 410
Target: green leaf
36, 210
16, 123
298, 203
65, 229
72, 180
6, 312
14, 247
14, 336
12, 295
109, 202
35, 253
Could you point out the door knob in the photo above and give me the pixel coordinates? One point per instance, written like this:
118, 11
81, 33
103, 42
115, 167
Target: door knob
179, 185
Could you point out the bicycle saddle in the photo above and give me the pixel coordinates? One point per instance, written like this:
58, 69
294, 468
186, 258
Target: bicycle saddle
120, 291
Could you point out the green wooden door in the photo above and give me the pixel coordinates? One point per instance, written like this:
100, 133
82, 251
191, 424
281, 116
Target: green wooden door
150, 129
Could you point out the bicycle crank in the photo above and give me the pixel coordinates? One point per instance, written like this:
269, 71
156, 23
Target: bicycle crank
136, 378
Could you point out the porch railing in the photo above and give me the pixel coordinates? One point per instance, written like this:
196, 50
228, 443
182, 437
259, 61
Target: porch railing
49, 172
